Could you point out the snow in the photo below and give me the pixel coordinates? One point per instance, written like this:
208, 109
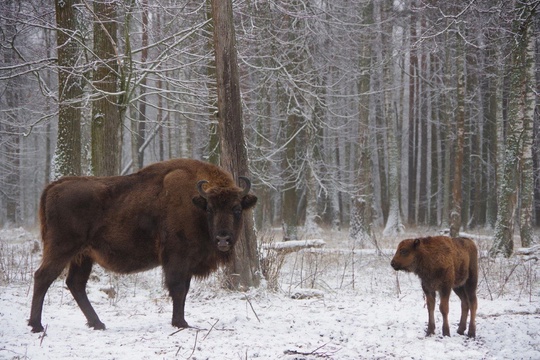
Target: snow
331, 305
295, 245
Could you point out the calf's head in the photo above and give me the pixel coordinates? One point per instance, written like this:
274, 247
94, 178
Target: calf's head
224, 207
405, 257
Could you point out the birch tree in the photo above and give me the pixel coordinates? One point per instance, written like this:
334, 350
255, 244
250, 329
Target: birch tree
517, 134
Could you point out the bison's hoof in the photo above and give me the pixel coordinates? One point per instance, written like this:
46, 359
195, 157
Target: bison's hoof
37, 328
98, 325
180, 324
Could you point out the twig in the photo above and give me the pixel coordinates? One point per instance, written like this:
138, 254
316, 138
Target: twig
314, 352
194, 345
211, 328
177, 331
252, 309
43, 335
484, 274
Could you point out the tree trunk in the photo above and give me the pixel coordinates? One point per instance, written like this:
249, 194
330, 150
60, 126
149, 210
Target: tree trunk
517, 132
140, 135
360, 230
68, 145
526, 163
106, 117
245, 269
455, 215
394, 225
290, 216
10, 144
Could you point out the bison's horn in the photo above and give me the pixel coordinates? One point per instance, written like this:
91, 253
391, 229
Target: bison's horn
200, 188
248, 185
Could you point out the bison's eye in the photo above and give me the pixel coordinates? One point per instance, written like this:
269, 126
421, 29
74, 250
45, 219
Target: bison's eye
237, 211
403, 252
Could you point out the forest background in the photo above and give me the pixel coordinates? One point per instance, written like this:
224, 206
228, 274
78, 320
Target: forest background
370, 116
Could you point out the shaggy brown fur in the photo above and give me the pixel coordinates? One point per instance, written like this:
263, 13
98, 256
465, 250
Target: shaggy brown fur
442, 264
182, 214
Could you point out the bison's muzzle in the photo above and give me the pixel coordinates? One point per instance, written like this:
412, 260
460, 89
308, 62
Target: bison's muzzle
223, 242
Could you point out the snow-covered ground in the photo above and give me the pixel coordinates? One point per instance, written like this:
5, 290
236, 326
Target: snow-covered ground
333, 303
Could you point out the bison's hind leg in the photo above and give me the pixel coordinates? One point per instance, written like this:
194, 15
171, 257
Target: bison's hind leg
467, 294
43, 278
460, 291
470, 290
79, 272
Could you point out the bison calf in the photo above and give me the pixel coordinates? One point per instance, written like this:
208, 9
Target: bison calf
442, 264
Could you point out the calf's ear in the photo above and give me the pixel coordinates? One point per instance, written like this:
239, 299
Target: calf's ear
199, 202
416, 242
248, 201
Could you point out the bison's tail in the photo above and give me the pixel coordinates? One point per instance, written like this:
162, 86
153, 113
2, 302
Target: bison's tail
43, 212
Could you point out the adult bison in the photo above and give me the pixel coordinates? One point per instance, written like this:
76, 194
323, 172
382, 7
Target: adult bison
184, 215
442, 264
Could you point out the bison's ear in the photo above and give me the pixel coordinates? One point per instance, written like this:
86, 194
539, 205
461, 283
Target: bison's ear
416, 242
199, 202
248, 201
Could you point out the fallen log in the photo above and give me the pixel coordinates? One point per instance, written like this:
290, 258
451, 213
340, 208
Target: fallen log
286, 247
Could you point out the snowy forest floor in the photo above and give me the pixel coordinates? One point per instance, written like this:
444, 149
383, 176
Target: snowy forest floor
330, 303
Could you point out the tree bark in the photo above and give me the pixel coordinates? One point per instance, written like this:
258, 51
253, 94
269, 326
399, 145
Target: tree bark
10, 144
68, 146
245, 269
106, 117
455, 215
518, 131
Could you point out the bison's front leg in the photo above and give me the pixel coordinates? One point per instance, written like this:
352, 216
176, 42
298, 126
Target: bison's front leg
430, 302
78, 274
178, 285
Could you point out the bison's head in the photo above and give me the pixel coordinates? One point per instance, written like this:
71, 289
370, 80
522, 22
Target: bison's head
224, 207
405, 257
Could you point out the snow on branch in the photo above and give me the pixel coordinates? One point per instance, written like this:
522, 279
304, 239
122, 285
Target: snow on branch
295, 245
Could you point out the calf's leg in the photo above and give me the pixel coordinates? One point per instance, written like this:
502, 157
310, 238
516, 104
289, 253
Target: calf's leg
430, 301
473, 305
464, 309
444, 308
79, 272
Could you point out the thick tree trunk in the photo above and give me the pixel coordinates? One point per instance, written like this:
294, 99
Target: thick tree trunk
526, 164
245, 270
106, 117
360, 230
68, 145
518, 132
